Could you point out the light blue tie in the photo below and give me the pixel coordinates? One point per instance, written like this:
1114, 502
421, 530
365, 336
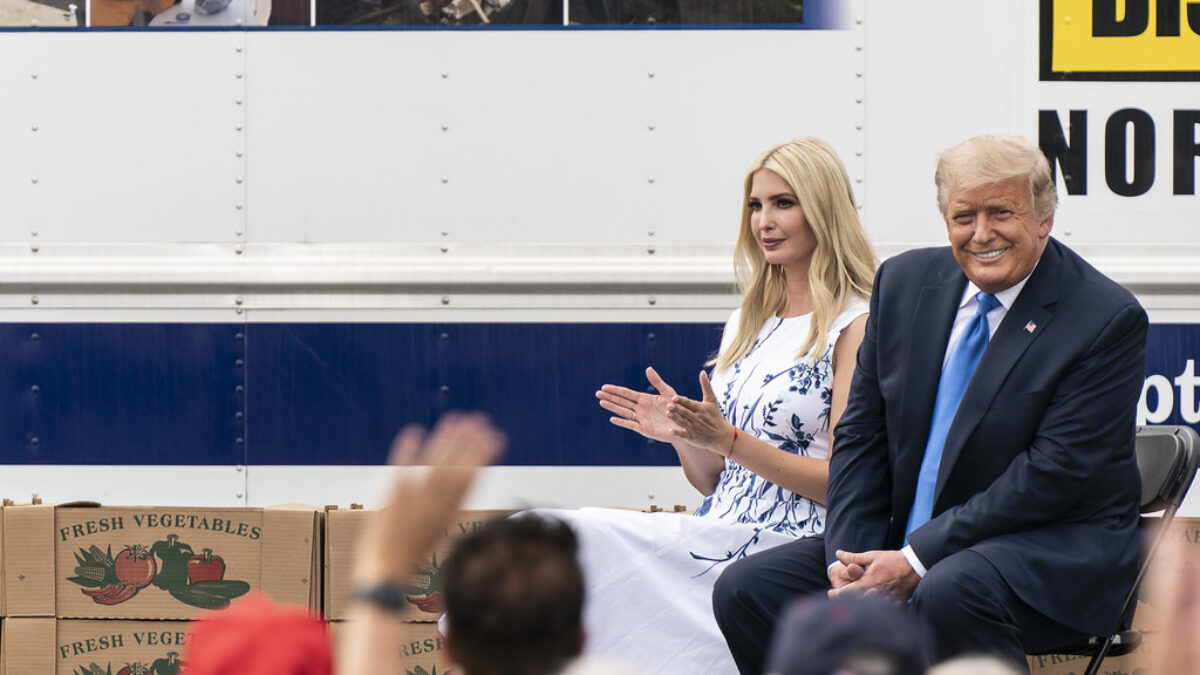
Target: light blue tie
953, 383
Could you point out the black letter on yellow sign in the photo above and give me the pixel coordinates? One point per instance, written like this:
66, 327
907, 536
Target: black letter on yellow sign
1137, 17
1187, 149
1115, 160
1070, 157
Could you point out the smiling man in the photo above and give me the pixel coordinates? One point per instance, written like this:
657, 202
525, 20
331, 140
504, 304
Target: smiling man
984, 468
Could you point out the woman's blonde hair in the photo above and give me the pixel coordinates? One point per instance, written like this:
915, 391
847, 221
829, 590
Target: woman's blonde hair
843, 263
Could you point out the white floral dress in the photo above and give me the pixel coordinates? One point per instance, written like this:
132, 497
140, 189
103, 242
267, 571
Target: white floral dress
649, 576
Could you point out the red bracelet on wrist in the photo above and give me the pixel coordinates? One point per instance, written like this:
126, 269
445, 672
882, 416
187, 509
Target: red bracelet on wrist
729, 455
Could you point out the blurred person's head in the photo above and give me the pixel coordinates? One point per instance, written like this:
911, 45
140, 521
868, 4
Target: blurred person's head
857, 635
975, 665
514, 598
256, 636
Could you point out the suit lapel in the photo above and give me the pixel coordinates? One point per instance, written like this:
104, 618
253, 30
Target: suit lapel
1024, 322
930, 331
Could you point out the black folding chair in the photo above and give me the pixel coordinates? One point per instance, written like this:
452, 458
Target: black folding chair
1167, 457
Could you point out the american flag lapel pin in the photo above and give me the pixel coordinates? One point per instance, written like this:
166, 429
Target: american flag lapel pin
1030, 327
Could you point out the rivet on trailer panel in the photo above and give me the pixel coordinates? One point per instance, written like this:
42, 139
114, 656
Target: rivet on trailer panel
650, 127
239, 468
238, 207
239, 363
652, 300
35, 337
33, 75
34, 441
445, 74
238, 180
35, 389
445, 299
35, 300
33, 127
445, 249
445, 179
239, 337
34, 180
238, 153
239, 389
650, 179
445, 127
33, 233
650, 250
33, 247
238, 49
650, 74
650, 337
239, 101
238, 495
445, 336
239, 440
445, 389
238, 128
238, 300
239, 415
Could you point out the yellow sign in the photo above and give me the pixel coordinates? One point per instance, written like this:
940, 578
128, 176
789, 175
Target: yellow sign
1120, 39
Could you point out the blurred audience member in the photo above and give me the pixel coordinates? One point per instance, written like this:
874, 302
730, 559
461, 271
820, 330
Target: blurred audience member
975, 665
415, 517
255, 636
855, 635
514, 598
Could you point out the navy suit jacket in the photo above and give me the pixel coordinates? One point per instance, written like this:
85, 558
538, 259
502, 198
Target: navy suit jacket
1038, 473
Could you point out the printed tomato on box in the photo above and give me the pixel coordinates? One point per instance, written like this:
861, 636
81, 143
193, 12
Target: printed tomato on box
173, 563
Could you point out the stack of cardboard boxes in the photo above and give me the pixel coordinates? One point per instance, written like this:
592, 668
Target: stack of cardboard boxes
96, 590
109, 590
423, 650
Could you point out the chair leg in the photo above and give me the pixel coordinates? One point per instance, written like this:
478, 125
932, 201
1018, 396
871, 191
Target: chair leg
1098, 658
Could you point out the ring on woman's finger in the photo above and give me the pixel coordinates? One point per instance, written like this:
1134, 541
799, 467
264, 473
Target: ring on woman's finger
633, 418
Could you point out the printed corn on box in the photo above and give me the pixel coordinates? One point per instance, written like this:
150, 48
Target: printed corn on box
46, 646
423, 590
132, 562
422, 649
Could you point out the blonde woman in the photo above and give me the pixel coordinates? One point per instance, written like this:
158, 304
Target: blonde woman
757, 443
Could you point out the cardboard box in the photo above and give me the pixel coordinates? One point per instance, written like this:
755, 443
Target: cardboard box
342, 529
1137, 662
45, 646
154, 562
422, 651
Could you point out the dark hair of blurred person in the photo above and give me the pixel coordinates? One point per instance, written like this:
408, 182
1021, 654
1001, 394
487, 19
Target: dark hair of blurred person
514, 598
854, 635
